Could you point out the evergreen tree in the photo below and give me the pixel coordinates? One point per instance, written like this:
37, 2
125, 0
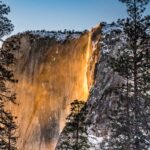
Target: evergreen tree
75, 131
7, 124
131, 120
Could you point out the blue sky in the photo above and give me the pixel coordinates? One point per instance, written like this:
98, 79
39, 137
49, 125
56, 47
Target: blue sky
63, 14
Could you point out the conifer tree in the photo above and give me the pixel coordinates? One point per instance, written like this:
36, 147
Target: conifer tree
131, 121
75, 130
7, 124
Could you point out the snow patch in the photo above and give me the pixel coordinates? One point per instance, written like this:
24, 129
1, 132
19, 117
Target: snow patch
95, 142
59, 36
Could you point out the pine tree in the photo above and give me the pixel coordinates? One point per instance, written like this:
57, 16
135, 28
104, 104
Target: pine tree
131, 121
75, 131
7, 124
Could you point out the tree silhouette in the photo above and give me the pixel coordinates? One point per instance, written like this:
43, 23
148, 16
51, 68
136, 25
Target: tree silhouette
75, 131
131, 121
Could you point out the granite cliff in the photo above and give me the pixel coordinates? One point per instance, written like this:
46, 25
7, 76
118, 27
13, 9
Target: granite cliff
53, 69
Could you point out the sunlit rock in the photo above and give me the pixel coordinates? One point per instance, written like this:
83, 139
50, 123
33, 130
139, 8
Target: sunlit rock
53, 69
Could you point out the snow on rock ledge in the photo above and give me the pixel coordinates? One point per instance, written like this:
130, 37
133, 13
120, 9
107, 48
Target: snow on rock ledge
95, 142
58, 35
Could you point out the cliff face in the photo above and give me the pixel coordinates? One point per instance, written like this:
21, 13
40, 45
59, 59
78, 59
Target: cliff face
53, 69
103, 97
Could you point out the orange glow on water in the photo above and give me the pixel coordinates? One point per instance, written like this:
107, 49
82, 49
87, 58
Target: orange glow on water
88, 53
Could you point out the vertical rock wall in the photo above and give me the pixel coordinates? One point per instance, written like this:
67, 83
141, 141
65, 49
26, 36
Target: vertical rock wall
51, 75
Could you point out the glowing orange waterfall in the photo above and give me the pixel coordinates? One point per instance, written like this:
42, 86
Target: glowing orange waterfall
51, 75
88, 53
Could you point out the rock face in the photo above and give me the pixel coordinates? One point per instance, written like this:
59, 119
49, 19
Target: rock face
102, 98
102, 101
53, 69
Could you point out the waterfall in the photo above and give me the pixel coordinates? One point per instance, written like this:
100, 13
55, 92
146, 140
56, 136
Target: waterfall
88, 53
